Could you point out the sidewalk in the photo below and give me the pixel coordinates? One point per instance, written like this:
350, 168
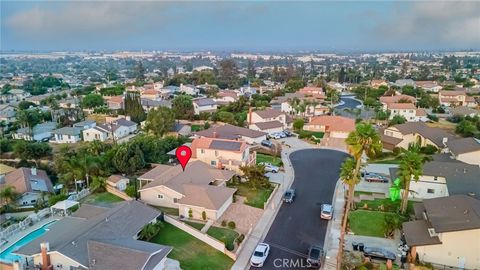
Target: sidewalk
332, 239
263, 225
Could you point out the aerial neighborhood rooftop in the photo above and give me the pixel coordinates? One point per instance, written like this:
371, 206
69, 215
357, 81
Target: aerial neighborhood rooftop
197, 160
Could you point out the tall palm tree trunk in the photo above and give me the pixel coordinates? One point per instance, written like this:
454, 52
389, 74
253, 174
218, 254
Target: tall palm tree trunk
403, 207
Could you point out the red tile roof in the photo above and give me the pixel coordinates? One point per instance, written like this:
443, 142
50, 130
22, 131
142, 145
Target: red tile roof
334, 123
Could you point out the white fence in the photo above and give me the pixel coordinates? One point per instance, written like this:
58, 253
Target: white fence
80, 195
24, 224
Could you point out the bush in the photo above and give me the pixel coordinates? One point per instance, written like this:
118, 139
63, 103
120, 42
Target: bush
56, 198
229, 246
231, 225
204, 215
429, 149
432, 117
130, 191
298, 124
224, 223
240, 239
190, 213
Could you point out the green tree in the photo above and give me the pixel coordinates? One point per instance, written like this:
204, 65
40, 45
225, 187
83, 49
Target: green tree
298, 124
99, 184
139, 72
92, 101
128, 158
466, 128
294, 84
226, 117
255, 175
160, 121
363, 140
8, 194
411, 167
227, 74
133, 107
182, 105
397, 120
150, 230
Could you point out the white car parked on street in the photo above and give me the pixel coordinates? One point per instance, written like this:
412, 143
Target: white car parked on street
259, 255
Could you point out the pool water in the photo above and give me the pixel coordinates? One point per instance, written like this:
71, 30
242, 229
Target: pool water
7, 255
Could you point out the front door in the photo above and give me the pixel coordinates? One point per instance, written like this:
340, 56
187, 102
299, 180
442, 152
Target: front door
461, 262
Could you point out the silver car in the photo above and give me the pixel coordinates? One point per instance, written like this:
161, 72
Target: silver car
326, 211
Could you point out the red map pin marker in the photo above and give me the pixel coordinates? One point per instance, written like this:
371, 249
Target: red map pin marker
183, 154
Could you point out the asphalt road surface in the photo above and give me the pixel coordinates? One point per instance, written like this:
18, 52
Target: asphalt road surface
298, 225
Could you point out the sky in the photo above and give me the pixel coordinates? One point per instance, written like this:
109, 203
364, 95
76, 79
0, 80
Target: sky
47, 25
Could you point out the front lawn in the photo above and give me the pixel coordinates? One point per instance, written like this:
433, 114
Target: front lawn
255, 197
196, 128
191, 252
385, 161
167, 210
224, 235
308, 134
276, 161
103, 198
368, 223
384, 205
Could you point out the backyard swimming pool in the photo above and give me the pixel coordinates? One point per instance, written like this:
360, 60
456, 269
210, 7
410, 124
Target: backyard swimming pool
7, 256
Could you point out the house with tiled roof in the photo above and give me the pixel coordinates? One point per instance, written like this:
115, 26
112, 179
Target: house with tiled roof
289, 103
268, 120
30, 183
99, 238
204, 105
465, 149
115, 102
231, 132
456, 98
414, 132
429, 86
200, 188
115, 130
222, 153
335, 129
445, 232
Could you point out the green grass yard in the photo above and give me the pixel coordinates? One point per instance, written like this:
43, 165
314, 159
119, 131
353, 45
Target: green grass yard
224, 235
387, 204
255, 197
167, 210
276, 161
196, 128
192, 253
367, 223
385, 161
103, 198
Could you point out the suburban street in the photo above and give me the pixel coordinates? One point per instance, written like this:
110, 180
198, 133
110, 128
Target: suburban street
298, 225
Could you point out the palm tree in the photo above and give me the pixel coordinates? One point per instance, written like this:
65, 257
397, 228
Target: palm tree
88, 164
411, 167
8, 194
73, 170
363, 140
349, 177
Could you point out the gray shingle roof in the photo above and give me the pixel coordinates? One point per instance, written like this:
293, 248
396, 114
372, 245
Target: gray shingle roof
436, 135
462, 146
225, 145
204, 101
72, 131
268, 113
70, 235
125, 253
453, 213
269, 125
230, 132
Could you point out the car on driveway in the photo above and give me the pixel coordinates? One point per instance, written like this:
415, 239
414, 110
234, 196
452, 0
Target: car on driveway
288, 133
314, 256
326, 211
374, 177
379, 253
267, 143
260, 255
275, 136
289, 195
269, 167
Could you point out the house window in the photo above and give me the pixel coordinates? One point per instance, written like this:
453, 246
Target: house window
202, 151
33, 201
435, 178
160, 196
175, 200
213, 163
431, 191
216, 153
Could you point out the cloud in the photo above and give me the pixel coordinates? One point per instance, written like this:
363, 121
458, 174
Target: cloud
432, 24
92, 18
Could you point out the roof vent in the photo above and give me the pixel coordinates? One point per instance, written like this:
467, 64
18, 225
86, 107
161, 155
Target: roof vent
465, 212
471, 194
431, 232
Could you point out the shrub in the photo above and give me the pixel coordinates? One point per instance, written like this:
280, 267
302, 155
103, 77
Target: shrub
429, 149
432, 117
190, 213
224, 223
56, 198
228, 245
204, 215
231, 225
240, 239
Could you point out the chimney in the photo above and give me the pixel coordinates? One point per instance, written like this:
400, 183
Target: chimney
128, 117
33, 171
215, 134
250, 110
16, 265
44, 247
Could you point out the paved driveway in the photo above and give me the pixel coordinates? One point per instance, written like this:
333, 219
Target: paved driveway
298, 225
